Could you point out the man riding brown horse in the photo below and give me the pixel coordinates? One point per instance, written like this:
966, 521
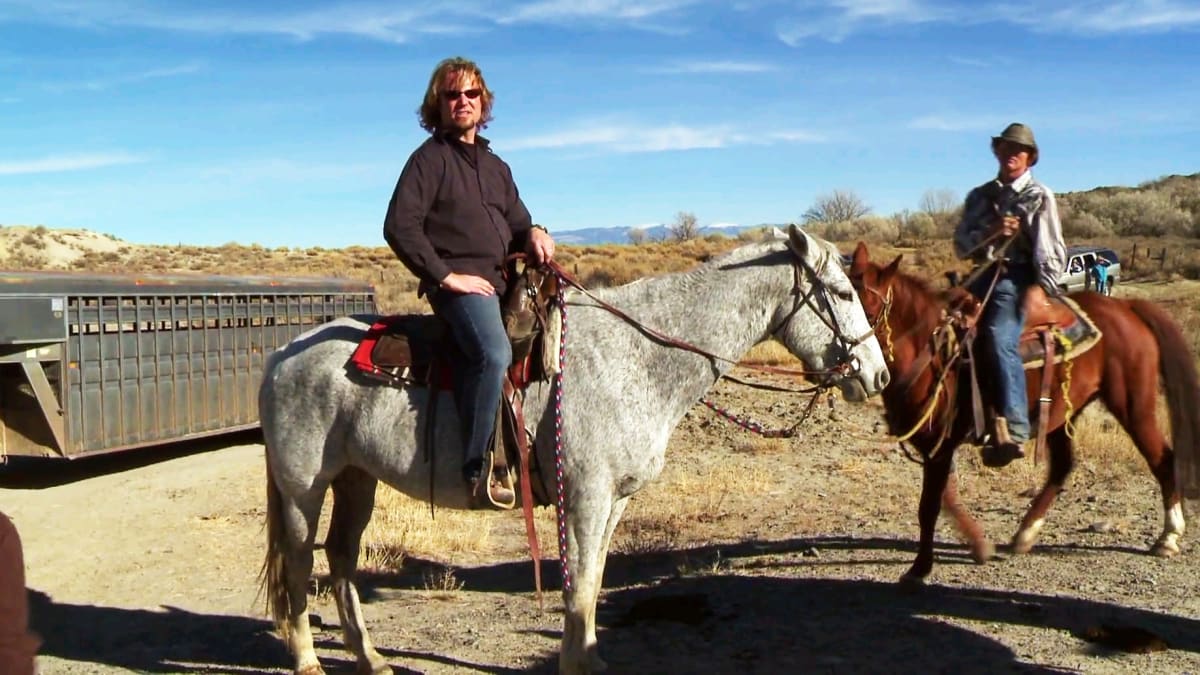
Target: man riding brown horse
1010, 227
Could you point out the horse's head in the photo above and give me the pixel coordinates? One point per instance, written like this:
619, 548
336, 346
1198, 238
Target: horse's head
905, 309
873, 283
840, 335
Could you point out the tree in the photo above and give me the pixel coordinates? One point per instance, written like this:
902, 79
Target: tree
835, 207
685, 227
637, 235
943, 208
937, 202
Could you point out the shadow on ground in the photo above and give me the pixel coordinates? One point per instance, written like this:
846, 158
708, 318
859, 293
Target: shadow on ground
652, 619
36, 473
168, 641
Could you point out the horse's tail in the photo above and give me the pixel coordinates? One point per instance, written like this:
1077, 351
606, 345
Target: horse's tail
1182, 386
273, 576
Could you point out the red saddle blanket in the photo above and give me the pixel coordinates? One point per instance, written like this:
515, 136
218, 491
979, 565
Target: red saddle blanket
407, 349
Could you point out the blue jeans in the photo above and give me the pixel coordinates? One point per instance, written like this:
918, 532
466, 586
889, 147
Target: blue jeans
479, 333
1001, 324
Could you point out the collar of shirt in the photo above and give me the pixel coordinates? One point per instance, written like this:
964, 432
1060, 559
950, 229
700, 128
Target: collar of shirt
1020, 183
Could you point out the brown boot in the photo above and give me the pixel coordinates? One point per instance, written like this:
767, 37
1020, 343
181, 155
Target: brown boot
1003, 449
498, 496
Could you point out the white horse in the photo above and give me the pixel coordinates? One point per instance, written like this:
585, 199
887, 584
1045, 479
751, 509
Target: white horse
623, 393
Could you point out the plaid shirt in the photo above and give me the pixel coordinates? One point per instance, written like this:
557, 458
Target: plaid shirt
1039, 244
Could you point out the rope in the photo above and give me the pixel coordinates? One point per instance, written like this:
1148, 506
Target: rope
756, 428
1067, 365
561, 501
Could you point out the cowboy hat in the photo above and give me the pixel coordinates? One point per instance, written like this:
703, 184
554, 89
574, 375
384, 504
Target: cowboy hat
1021, 135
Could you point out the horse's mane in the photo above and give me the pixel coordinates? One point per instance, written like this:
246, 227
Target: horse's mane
915, 302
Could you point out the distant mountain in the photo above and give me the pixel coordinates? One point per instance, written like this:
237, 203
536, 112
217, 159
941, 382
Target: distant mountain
620, 235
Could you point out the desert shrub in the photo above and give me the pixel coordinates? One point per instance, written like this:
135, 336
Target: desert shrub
866, 228
1082, 225
916, 227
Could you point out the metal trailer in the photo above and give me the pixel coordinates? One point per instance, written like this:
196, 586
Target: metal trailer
97, 363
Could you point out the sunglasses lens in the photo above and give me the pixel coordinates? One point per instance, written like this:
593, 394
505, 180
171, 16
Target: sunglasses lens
453, 94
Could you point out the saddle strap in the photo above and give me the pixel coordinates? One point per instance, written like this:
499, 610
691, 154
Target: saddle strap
516, 405
976, 397
1043, 421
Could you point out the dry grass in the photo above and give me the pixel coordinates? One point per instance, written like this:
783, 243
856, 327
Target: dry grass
664, 514
402, 527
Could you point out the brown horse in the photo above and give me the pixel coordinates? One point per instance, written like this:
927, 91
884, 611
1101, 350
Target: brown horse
1139, 342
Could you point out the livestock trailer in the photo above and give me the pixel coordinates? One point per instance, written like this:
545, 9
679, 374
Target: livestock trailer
94, 363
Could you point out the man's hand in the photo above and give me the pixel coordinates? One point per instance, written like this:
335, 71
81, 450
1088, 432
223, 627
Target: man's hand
1007, 226
468, 284
540, 246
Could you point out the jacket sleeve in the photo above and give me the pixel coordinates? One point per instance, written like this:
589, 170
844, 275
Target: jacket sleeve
515, 213
404, 224
977, 220
1049, 249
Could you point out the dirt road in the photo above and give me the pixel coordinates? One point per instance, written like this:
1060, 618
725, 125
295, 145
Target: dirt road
152, 568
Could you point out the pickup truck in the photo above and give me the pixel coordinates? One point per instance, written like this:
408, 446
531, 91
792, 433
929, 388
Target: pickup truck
1080, 275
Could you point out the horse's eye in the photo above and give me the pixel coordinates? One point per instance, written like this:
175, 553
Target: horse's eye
848, 296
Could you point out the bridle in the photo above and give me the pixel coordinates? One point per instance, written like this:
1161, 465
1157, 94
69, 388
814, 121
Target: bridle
816, 298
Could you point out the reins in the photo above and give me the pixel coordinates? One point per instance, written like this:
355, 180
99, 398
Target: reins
566, 278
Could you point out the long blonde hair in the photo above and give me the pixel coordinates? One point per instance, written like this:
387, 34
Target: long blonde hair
430, 111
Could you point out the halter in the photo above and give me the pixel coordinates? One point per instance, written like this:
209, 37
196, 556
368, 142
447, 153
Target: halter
847, 363
817, 299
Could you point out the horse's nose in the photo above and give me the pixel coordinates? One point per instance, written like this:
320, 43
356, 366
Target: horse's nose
881, 379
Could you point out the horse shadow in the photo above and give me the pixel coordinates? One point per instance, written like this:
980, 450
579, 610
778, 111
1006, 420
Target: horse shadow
652, 618
173, 640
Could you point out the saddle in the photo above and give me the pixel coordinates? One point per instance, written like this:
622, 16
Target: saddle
1056, 330
416, 350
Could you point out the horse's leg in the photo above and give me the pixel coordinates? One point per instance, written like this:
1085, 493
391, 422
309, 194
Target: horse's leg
292, 527
592, 529
935, 474
353, 500
982, 550
1142, 426
1061, 462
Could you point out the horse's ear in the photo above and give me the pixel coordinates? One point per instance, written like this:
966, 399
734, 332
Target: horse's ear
775, 234
859, 259
892, 267
797, 240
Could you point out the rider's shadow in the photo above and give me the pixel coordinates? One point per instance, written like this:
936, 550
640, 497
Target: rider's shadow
173, 640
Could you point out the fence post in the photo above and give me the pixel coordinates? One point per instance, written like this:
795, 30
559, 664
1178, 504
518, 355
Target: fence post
1133, 258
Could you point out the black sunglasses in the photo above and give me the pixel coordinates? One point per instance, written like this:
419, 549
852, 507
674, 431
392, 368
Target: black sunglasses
453, 94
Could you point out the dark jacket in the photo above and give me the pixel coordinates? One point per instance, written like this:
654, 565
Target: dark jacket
455, 209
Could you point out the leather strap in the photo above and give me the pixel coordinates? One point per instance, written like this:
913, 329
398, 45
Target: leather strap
517, 407
976, 397
1043, 420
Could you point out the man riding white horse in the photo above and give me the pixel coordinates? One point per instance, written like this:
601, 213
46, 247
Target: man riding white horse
453, 219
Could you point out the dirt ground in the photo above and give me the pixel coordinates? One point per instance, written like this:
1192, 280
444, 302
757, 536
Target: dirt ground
147, 563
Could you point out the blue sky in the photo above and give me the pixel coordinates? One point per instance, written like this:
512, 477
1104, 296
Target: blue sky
207, 121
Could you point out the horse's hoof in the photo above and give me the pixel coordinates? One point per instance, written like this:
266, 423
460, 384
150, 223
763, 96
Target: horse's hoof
376, 669
314, 669
912, 582
1164, 550
982, 552
1022, 545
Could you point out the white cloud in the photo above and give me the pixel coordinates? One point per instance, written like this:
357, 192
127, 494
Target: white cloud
630, 138
386, 22
714, 67
837, 20
1130, 16
956, 123
551, 11
294, 171
61, 163
102, 84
